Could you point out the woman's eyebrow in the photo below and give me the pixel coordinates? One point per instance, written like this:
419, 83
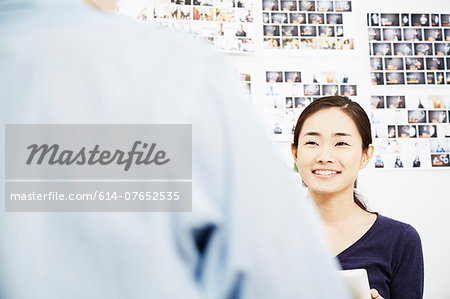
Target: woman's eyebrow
342, 134
311, 134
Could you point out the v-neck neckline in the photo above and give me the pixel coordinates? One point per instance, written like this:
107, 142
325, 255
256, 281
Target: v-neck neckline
364, 236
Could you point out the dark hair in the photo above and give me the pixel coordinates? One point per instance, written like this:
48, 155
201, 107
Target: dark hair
353, 110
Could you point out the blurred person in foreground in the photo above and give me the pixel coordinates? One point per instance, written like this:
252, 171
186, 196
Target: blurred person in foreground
248, 235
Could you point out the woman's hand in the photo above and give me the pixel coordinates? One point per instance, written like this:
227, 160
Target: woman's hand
375, 295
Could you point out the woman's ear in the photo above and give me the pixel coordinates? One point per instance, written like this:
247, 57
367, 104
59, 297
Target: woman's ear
294, 151
367, 155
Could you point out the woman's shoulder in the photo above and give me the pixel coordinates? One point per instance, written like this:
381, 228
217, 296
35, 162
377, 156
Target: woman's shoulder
401, 231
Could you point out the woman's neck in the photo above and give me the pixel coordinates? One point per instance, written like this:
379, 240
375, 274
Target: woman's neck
336, 208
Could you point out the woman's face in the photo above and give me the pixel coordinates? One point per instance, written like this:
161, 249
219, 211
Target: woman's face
329, 153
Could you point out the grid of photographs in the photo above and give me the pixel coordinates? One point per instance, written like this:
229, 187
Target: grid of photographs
287, 93
227, 24
410, 131
409, 48
316, 25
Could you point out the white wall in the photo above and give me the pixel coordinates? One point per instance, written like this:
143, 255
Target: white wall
418, 197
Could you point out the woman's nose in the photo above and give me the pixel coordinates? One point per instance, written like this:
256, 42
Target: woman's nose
325, 155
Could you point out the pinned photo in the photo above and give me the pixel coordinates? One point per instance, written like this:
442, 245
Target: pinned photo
407, 131
348, 90
422, 49
343, 6
271, 30
420, 19
374, 34
440, 160
307, 5
374, 19
378, 162
415, 78
398, 162
412, 34
272, 77
289, 30
435, 63
377, 78
377, 102
311, 89
395, 102
417, 116
391, 34
325, 6
433, 34
271, 43
330, 90
441, 49
279, 18
435, 20
302, 102
292, 77
393, 64
270, 5
405, 19
382, 49
307, 30
414, 64
290, 43
402, 49
389, 19
326, 31
427, 131
430, 78
439, 146
288, 5
376, 64
297, 18
334, 19
395, 78
445, 19
315, 18
437, 116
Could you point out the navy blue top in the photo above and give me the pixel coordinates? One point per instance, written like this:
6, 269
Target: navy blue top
391, 252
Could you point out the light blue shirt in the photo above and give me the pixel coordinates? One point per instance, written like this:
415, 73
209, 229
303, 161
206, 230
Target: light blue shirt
250, 234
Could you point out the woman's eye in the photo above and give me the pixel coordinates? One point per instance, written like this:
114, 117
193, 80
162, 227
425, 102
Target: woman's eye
342, 143
310, 143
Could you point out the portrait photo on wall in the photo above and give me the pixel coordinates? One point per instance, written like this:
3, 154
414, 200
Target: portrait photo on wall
389, 19
395, 78
377, 78
274, 77
406, 131
440, 160
415, 78
374, 34
311, 89
395, 102
439, 146
412, 34
427, 131
330, 90
376, 63
437, 116
417, 116
292, 77
377, 102
393, 64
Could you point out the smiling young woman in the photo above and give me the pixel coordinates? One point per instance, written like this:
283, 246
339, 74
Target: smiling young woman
332, 142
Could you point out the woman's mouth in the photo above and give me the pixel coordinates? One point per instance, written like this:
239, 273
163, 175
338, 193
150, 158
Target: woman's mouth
325, 172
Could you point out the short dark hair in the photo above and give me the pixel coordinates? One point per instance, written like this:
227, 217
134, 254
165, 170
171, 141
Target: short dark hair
353, 110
